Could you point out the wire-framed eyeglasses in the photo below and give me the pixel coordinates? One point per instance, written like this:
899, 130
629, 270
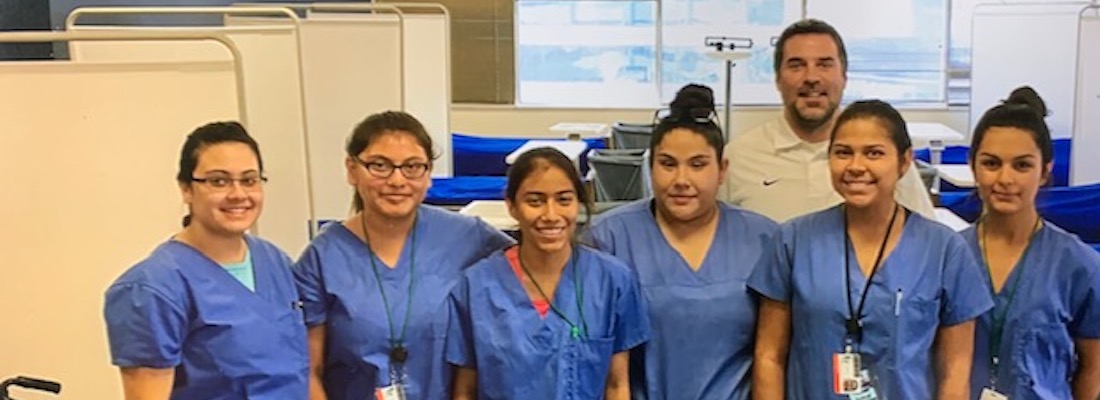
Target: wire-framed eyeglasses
222, 183
382, 168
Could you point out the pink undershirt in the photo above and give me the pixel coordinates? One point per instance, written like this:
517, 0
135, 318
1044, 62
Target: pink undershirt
512, 254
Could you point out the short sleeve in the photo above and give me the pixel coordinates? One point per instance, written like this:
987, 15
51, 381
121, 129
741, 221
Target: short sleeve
771, 276
311, 287
965, 297
1086, 296
459, 348
144, 327
631, 317
599, 237
492, 239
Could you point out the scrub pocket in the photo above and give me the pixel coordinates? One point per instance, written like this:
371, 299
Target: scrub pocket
1045, 361
291, 328
915, 333
241, 335
917, 323
593, 364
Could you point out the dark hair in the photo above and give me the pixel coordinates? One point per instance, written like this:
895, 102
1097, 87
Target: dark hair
810, 26
382, 123
209, 135
1024, 110
692, 109
882, 112
543, 158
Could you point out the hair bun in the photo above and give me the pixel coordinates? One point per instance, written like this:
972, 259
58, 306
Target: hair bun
692, 97
1025, 95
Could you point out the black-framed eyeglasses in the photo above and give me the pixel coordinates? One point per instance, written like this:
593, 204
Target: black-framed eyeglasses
219, 182
382, 168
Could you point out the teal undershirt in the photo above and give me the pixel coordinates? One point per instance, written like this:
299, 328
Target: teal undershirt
243, 271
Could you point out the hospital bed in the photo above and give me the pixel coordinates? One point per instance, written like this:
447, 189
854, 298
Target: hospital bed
480, 169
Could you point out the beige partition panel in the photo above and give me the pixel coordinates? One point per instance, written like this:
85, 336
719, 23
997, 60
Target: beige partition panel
427, 81
362, 58
350, 73
423, 59
271, 60
90, 150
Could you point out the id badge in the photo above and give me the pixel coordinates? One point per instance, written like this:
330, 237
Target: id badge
990, 394
868, 393
391, 392
846, 373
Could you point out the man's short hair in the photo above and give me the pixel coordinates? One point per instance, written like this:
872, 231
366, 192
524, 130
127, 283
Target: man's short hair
807, 27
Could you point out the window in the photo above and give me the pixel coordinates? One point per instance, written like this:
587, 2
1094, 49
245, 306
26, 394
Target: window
576, 53
585, 53
686, 24
958, 55
896, 48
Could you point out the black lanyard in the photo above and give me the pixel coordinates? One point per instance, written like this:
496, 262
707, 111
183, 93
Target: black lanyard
997, 328
854, 324
578, 291
398, 353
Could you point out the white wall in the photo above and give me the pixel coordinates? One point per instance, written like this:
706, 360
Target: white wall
1026, 44
1086, 137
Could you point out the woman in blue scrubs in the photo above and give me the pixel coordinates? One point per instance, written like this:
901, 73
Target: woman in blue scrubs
212, 313
1042, 338
693, 255
374, 285
866, 299
546, 319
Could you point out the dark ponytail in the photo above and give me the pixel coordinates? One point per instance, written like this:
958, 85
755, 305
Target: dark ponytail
1023, 110
692, 109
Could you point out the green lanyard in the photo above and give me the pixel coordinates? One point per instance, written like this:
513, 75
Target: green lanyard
398, 353
998, 321
578, 290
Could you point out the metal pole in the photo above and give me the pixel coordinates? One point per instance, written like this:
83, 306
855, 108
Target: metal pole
729, 96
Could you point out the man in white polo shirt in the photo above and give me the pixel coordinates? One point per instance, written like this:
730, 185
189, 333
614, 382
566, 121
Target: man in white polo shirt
780, 169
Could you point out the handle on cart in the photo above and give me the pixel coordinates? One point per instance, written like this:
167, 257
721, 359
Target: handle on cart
29, 383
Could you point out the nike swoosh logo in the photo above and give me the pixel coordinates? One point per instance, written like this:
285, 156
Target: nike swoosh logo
770, 182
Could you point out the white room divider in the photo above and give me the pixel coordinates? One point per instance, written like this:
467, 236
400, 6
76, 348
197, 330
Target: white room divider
91, 151
363, 58
1083, 168
272, 64
1051, 46
356, 59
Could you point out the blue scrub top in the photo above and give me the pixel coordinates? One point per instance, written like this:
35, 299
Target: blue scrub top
704, 322
339, 290
926, 283
179, 309
1058, 299
496, 330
